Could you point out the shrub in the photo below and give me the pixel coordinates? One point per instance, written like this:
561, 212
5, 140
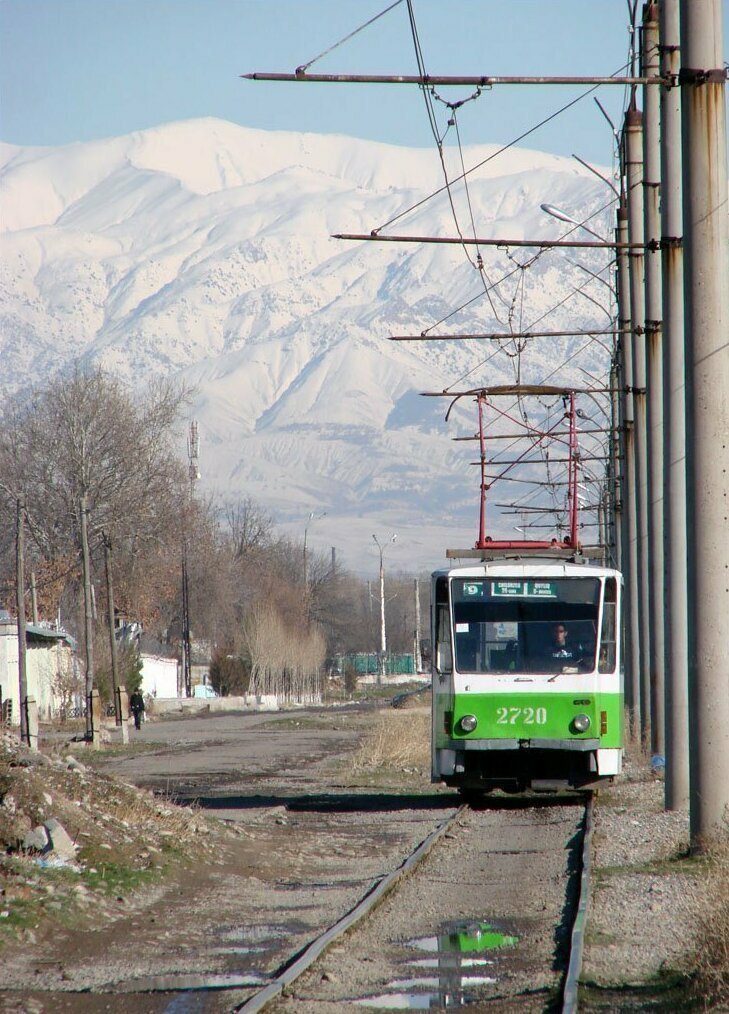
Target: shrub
229, 674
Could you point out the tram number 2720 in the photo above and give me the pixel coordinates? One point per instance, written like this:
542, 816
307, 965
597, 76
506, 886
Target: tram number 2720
525, 716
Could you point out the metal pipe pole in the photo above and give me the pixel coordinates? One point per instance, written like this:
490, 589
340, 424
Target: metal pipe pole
674, 400
383, 635
306, 566
706, 246
186, 635
634, 182
629, 559
20, 592
654, 377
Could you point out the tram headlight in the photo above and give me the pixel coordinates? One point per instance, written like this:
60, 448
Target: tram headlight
468, 723
581, 723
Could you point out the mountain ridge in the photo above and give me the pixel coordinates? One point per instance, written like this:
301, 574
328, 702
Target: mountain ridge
154, 253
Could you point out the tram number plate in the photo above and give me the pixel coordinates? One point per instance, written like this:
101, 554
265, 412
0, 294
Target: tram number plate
521, 716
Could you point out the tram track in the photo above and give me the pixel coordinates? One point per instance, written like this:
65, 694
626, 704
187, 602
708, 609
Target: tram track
530, 957
306, 853
301, 963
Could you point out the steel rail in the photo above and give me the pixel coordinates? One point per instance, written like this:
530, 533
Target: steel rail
299, 964
577, 936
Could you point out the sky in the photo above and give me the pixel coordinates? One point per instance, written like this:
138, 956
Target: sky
77, 70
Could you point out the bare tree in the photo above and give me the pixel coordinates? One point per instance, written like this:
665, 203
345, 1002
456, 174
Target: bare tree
83, 435
249, 526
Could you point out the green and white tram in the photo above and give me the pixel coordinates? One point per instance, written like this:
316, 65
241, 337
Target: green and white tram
527, 677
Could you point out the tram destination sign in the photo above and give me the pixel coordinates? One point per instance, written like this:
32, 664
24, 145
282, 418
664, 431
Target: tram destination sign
524, 589
510, 589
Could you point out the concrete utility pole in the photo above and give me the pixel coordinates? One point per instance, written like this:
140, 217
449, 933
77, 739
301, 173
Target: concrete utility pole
674, 402
614, 481
20, 592
312, 517
33, 598
112, 630
88, 615
706, 245
634, 186
417, 659
193, 457
629, 540
654, 373
383, 634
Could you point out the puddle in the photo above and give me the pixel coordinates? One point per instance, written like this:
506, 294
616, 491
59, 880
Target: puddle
466, 938
456, 961
459, 958
249, 936
176, 982
252, 942
237, 949
401, 1001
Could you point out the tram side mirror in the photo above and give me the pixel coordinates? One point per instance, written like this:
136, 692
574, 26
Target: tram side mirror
443, 658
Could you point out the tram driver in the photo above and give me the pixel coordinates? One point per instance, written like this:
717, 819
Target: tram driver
563, 650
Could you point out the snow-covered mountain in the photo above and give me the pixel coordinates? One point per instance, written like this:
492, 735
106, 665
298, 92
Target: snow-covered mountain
203, 249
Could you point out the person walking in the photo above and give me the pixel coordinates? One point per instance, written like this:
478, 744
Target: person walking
136, 704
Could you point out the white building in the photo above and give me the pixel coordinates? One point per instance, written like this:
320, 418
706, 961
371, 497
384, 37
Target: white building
159, 675
50, 664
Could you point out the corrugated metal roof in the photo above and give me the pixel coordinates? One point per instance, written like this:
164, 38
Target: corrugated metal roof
36, 632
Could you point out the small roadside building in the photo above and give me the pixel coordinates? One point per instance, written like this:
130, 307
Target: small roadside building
51, 669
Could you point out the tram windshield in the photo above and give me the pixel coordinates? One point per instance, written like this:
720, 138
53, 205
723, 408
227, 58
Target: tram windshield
504, 625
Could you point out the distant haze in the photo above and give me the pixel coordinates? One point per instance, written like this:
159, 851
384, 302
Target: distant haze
201, 249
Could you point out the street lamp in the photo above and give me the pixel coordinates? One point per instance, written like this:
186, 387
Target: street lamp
564, 217
313, 516
383, 636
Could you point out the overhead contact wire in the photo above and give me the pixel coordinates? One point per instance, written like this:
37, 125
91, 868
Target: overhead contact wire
302, 69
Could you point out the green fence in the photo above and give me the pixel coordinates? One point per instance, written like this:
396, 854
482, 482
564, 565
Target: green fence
366, 663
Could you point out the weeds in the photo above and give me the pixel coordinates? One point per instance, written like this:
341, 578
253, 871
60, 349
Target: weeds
709, 965
400, 739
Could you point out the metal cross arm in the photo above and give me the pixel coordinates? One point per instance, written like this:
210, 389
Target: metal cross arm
475, 241
506, 335
431, 80
540, 461
511, 390
531, 434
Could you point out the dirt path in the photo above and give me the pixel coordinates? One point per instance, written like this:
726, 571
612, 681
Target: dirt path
310, 837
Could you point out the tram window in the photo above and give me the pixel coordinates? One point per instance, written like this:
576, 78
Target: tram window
504, 625
443, 646
608, 631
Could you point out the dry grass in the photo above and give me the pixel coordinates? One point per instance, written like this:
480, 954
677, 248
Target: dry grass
636, 750
709, 967
400, 739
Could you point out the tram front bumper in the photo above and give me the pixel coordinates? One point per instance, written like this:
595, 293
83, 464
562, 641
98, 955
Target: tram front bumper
524, 759
522, 744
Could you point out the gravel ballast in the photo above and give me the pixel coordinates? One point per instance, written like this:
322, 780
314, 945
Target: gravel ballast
305, 835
